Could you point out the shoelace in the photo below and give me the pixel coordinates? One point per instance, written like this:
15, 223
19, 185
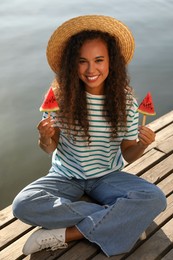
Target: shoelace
47, 243
59, 246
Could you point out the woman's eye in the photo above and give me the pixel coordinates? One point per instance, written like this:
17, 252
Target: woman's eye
99, 60
81, 61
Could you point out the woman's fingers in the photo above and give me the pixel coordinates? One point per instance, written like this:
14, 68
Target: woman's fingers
45, 127
146, 135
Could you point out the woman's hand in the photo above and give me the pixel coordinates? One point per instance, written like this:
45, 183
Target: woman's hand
146, 136
48, 135
46, 130
133, 149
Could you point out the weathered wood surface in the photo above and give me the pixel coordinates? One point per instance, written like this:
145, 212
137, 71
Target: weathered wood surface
156, 166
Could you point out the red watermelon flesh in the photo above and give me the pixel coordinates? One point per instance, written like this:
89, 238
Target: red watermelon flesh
49, 104
147, 107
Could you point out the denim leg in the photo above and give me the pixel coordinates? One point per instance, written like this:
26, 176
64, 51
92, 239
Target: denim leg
132, 204
52, 202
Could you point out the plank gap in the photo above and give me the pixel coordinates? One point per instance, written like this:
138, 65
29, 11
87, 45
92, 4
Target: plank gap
164, 252
163, 178
8, 223
93, 255
16, 238
141, 172
162, 127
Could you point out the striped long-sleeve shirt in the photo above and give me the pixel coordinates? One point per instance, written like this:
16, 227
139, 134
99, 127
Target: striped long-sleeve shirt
102, 155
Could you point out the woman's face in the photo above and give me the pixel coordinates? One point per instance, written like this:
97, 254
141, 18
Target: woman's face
93, 66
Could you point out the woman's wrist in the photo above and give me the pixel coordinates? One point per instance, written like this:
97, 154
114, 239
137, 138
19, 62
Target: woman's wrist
141, 145
45, 143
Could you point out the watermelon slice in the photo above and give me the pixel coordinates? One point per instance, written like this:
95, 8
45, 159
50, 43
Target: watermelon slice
49, 104
147, 107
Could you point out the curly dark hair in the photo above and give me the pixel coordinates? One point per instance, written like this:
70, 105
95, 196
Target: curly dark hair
71, 95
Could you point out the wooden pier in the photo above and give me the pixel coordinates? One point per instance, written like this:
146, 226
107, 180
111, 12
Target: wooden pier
156, 166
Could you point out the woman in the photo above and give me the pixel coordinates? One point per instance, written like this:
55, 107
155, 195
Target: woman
94, 129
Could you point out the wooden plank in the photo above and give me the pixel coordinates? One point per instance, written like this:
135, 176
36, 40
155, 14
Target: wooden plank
102, 256
160, 170
6, 216
167, 185
167, 145
168, 256
155, 245
161, 138
145, 161
14, 251
162, 135
82, 250
12, 232
162, 121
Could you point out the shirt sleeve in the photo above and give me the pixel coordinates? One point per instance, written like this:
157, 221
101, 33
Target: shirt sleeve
132, 121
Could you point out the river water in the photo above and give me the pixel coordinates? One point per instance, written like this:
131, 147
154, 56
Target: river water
25, 27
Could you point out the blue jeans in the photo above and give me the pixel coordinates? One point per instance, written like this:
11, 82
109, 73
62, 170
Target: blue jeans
124, 206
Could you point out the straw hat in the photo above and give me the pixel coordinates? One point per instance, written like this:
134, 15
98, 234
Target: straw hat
88, 22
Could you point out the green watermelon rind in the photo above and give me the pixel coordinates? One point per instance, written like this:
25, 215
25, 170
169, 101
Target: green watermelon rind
48, 110
146, 113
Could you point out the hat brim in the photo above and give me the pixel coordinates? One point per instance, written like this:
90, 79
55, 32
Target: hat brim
75, 25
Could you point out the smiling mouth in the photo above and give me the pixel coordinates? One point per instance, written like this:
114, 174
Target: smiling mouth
93, 78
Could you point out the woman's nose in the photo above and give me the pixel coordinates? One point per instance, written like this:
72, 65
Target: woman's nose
91, 67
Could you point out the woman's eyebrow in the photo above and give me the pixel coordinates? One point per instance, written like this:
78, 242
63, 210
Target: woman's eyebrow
97, 57
101, 56
82, 58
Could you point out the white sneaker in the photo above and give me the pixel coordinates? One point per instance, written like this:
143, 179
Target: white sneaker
43, 238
